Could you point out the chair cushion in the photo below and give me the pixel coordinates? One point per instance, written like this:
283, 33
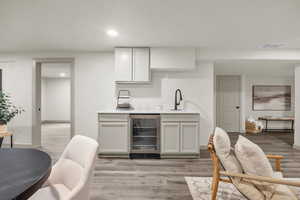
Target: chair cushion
223, 149
70, 173
277, 175
252, 158
284, 192
255, 162
51, 192
222, 146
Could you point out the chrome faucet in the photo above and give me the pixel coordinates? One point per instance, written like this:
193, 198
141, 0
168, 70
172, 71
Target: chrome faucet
180, 98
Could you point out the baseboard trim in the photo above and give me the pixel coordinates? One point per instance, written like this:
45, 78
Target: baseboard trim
20, 145
179, 156
296, 147
113, 154
203, 147
55, 121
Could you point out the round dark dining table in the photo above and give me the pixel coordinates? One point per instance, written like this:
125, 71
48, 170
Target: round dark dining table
22, 172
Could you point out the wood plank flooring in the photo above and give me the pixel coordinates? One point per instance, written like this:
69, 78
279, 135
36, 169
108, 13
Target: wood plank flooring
163, 179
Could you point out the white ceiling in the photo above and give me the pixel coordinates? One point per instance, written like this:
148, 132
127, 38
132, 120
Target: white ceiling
54, 70
78, 25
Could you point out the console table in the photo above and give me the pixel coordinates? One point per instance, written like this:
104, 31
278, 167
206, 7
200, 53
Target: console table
285, 119
6, 134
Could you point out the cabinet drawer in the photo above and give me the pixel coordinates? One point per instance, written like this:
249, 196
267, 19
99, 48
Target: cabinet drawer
113, 117
180, 117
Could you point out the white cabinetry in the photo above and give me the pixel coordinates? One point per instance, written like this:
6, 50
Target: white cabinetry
123, 64
189, 137
173, 59
114, 134
170, 137
132, 65
180, 135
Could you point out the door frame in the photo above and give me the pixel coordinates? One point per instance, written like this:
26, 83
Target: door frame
37, 82
240, 99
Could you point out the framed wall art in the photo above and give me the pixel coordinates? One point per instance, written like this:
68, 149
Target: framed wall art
271, 97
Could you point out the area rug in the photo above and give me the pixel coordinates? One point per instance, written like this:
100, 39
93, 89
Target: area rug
200, 188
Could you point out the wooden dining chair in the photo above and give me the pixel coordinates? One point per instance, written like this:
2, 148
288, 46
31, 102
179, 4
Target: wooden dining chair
225, 176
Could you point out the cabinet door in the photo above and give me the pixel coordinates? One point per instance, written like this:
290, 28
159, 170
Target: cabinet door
189, 137
113, 137
170, 137
174, 59
141, 64
123, 64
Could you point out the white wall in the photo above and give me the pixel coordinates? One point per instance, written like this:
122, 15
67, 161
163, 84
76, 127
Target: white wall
17, 82
56, 99
198, 93
94, 89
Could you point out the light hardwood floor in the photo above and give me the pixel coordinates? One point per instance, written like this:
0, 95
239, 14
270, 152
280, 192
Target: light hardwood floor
145, 179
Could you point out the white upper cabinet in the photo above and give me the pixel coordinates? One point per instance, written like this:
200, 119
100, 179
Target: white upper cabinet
123, 64
141, 68
173, 59
132, 65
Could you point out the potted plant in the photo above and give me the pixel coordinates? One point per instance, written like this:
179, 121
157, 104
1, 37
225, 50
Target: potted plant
7, 111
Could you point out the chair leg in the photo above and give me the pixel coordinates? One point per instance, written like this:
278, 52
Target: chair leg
215, 180
214, 189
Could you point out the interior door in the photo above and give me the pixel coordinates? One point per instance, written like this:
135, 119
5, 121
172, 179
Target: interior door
228, 103
37, 122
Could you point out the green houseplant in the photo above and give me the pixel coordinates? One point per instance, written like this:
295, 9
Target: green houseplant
7, 110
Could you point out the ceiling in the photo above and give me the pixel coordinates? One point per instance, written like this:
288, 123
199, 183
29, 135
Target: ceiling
76, 25
56, 70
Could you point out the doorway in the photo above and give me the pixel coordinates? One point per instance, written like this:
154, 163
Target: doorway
54, 104
228, 98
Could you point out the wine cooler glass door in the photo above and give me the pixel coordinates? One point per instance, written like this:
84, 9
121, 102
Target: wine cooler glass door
145, 134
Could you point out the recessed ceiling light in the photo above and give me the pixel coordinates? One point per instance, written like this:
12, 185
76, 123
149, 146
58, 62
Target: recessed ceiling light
62, 74
112, 33
272, 46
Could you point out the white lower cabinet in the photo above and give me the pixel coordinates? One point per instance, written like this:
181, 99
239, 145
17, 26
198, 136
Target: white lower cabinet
189, 137
170, 137
179, 135
114, 137
180, 138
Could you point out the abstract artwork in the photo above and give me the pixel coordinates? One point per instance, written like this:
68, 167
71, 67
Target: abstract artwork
271, 97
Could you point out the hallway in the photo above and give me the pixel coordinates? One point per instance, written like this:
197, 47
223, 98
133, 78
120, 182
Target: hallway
55, 137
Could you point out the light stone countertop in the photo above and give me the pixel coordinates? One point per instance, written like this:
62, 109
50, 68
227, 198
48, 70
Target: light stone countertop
133, 111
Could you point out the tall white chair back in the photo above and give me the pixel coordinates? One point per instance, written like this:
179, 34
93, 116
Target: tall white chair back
71, 176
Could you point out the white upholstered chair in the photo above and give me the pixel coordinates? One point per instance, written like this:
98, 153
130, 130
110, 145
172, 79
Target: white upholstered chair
71, 175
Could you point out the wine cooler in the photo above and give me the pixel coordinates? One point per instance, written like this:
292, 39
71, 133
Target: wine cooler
145, 135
